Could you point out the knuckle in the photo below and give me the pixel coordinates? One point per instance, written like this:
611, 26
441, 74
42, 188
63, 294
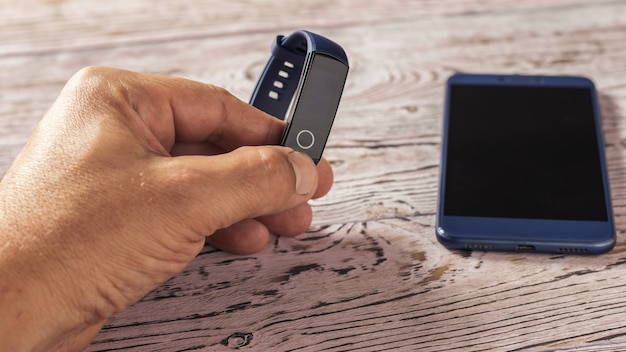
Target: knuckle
220, 91
220, 95
102, 83
92, 76
93, 71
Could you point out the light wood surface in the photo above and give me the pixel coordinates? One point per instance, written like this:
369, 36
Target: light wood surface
369, 275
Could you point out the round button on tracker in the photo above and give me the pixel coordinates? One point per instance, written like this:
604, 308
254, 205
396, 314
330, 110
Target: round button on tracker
305, 139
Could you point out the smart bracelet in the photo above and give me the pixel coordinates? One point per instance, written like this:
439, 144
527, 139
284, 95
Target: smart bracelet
302, 84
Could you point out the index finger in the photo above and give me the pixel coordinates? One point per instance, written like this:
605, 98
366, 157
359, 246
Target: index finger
180, 110
207, 113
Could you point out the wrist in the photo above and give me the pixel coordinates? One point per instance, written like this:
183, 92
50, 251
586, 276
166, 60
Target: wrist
40, 307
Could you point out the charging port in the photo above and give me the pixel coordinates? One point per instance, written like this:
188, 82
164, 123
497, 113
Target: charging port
525, 248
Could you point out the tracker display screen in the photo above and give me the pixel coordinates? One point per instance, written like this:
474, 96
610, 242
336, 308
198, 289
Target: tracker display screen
523, 152
313, 116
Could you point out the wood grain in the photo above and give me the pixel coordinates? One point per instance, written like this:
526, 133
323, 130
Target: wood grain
370, 274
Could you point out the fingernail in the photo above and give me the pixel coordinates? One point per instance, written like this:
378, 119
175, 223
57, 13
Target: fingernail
305, 171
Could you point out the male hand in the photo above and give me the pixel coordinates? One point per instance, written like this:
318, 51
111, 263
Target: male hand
117, 190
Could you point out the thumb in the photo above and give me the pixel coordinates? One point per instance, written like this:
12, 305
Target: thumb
221, 190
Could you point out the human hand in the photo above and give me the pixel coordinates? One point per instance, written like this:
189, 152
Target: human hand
117, 190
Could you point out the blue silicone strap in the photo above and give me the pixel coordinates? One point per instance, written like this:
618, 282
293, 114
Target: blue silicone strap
279, 80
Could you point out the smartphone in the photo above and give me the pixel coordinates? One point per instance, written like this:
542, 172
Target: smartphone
523, 166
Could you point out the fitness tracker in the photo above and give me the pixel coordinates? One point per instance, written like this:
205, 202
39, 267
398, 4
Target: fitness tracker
302, 84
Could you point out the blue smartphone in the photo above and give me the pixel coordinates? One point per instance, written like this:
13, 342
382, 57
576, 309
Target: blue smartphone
523, 166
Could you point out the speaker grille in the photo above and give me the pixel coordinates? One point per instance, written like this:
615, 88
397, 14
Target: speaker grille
573, 250
478, 246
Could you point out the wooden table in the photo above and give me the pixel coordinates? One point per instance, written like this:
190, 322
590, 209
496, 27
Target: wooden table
369, 275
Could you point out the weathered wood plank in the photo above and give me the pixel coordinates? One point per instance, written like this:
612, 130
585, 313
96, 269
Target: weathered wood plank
377, 285
38, 26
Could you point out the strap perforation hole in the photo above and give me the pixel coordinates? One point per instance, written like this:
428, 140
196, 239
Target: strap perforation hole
279, 84
283, 74
289, 64
273, 95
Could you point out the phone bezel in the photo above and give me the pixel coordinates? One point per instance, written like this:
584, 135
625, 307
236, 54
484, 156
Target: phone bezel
508, 234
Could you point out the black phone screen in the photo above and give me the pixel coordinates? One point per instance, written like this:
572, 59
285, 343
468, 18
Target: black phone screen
523, 152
